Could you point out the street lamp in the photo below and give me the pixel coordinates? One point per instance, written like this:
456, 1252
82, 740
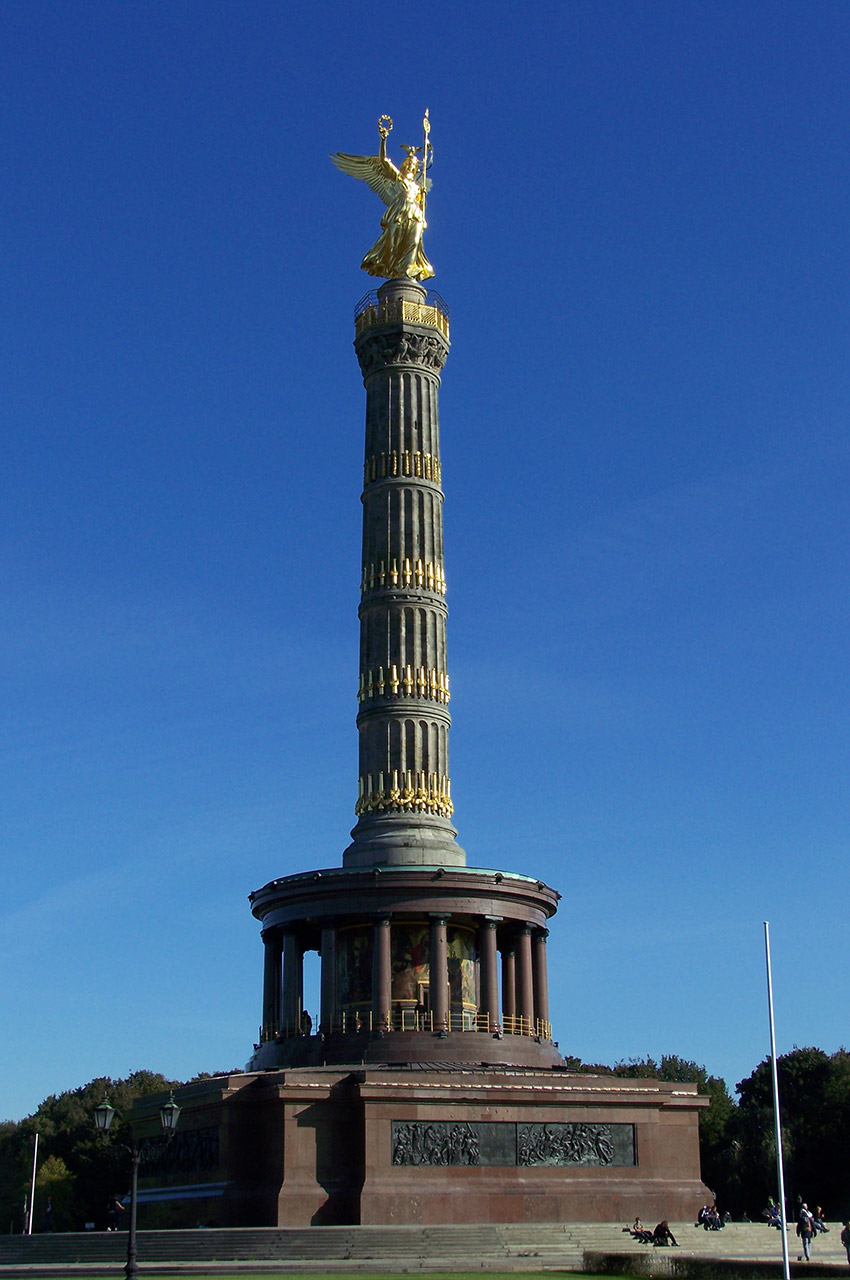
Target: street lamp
169, 1114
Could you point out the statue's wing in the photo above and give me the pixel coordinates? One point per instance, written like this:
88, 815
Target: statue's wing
379, 174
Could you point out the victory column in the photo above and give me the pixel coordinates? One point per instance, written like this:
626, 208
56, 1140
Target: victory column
420, 951
428, 1088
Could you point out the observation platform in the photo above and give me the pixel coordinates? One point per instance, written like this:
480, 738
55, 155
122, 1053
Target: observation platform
431, 312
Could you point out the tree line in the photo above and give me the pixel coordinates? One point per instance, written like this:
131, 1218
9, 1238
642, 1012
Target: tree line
737, 1137
79, 1172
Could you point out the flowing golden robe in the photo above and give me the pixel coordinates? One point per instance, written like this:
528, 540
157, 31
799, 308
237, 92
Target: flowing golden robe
397, 254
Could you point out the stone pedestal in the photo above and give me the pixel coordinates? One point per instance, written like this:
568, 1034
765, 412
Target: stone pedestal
394, 1145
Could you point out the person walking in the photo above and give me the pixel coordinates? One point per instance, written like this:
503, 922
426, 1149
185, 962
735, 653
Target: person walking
113, 1213
805, 1231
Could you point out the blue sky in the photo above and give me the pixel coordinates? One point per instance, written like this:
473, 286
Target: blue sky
639, 221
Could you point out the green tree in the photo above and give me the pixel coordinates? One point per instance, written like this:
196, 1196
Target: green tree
814, 1101
95, 1168
15, 1173
54, 1184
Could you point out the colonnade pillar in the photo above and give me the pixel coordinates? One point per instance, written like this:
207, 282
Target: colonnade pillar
509, 980
438, 973
524, 982
381, 975
541, 975
489, 971
328, 1015
293, 980
272, 944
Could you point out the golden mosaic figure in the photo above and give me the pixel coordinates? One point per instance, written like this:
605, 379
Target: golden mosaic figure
397, 254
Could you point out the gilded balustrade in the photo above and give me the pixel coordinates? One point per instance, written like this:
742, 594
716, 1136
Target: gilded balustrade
431, 314
351, 1022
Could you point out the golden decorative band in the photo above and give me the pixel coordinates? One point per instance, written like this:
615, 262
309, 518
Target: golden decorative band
404, 462
407, 681
408, 573
405, 311
404, 791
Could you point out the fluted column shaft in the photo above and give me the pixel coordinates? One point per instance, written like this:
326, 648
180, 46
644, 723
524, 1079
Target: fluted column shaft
404, 801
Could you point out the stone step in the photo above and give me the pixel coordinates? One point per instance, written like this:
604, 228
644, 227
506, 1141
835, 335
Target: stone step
271, 1244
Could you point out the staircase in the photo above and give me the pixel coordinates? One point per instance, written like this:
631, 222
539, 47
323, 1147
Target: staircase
508, 1247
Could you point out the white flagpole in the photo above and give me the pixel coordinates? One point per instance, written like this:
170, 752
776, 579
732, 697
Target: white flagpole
783, 1224
32, 1186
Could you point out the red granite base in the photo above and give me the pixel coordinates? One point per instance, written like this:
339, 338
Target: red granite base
310, 1147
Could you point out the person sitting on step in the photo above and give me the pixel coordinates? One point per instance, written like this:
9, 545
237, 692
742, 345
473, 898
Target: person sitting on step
663, 1235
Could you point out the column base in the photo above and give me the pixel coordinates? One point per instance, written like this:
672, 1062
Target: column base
399, 840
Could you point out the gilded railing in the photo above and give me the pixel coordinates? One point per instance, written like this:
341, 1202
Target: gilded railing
353, 1021
433, 313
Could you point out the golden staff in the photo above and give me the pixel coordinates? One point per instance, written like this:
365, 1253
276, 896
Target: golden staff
426, 130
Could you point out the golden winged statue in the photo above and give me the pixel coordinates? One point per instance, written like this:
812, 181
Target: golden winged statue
397, 254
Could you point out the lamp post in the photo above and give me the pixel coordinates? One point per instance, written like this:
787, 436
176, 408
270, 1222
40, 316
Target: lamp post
169, 1114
